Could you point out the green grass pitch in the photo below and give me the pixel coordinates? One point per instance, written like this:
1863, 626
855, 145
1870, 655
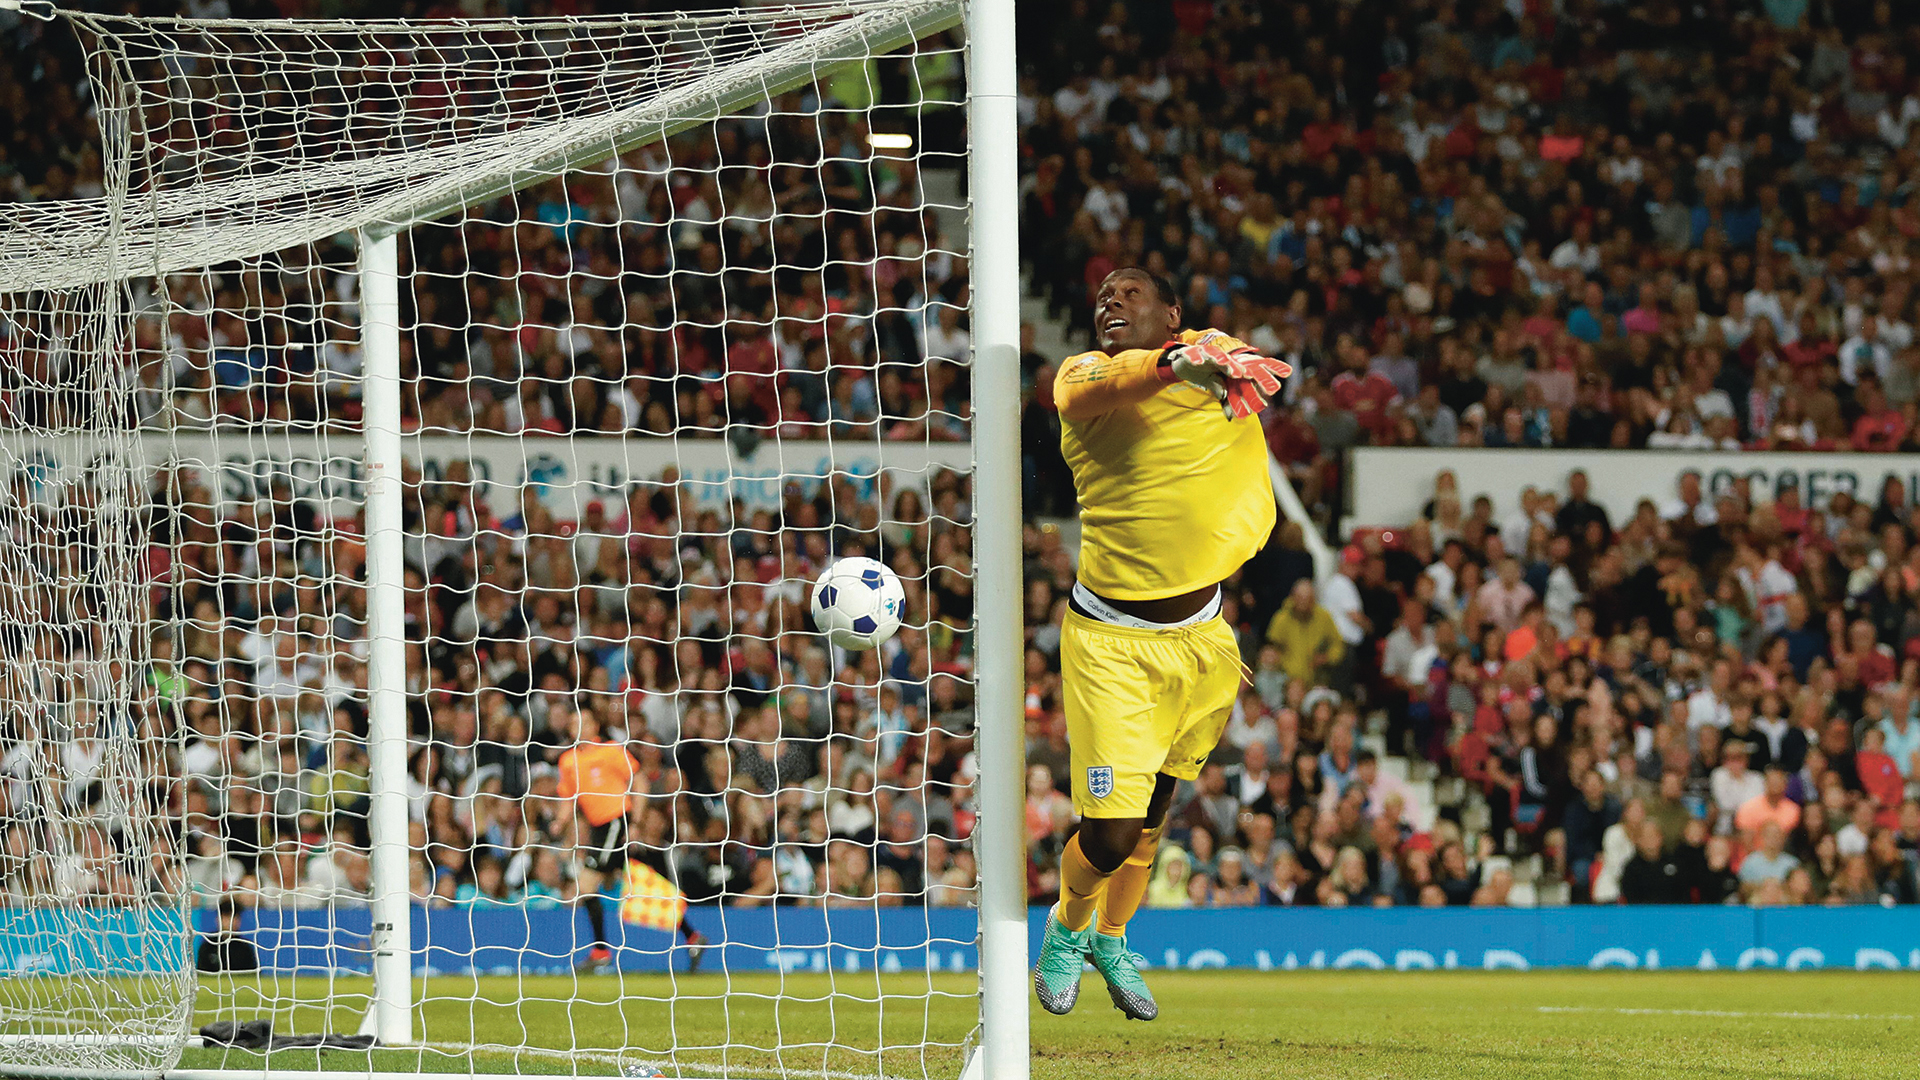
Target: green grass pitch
1212, 1026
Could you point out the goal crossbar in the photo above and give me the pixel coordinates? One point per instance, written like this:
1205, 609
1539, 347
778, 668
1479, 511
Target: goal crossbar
65, 245
721, 94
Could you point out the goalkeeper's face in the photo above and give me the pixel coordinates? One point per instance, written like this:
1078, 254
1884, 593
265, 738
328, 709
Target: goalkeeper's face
1130, 312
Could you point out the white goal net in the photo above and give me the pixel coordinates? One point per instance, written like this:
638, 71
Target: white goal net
415, 463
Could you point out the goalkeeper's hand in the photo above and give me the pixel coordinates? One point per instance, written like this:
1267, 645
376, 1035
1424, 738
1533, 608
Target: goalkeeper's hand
1241, 380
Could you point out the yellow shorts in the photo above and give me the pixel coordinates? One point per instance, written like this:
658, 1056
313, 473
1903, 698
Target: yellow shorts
1141, 702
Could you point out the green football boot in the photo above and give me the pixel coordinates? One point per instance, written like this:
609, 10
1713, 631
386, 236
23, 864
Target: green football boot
1056, 974
1120, 966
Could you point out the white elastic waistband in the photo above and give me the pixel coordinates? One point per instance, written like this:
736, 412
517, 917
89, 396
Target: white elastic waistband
1105, 612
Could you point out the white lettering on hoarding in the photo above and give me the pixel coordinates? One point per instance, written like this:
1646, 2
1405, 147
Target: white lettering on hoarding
1390, 485
1615, 957
1864, 959
1365, 958
1413, 960
1805, 958
565, 473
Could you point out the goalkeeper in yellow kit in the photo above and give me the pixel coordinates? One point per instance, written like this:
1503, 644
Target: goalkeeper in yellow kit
1161, 430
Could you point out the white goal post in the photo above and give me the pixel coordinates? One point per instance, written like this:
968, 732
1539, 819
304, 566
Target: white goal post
425, 404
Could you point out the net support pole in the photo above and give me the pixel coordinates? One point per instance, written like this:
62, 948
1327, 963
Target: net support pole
994, 275
391, 1016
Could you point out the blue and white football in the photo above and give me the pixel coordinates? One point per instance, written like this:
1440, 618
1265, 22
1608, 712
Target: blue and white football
858, 603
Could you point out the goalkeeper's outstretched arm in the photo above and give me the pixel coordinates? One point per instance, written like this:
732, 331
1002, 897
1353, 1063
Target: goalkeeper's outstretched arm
1094, 382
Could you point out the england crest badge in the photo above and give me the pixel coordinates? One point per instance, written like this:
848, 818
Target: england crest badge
1100, 781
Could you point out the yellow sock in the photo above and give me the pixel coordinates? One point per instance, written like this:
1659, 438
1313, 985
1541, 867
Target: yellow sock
1128, 885
1080, 887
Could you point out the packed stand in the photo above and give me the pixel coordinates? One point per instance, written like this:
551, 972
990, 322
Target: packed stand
1715, 700
1488, 224
1575, 224
638, 300
772, 767
1597, 226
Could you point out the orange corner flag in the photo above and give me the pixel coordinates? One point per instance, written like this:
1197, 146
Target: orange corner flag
650, 899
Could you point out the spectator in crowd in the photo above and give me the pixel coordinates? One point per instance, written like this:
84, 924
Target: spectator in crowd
1309, 642
1170, 886
1770, 807
1618, 845
1651, 876
1769, 862
227, 950
1587, 819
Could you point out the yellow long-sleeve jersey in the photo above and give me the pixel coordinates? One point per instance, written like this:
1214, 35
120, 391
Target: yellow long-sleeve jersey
1173, 495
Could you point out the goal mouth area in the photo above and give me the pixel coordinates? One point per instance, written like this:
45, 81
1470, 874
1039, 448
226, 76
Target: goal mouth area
258, 321
444, 1055
742, 1020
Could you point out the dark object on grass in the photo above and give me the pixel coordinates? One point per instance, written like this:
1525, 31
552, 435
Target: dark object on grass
258, 1035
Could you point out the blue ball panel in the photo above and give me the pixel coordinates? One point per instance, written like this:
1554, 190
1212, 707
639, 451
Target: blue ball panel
865, 624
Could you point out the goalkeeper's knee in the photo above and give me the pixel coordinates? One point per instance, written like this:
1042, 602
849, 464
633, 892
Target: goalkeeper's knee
1149, 844
1108, 842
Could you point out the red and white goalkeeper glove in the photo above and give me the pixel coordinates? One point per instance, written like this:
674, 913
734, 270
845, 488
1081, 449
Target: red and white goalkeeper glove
1241, 380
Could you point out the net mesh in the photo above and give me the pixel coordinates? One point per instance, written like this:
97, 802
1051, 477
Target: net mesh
90, 868
674, 336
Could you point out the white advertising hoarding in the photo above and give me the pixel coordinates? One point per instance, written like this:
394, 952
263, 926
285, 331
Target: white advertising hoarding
1388, 485
567, 472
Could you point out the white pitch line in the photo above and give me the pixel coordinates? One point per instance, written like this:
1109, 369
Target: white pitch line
47, 1021
1727, 1013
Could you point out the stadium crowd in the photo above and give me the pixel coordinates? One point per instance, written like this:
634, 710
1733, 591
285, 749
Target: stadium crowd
767, 762
1574, 224
657, 295
1716, 700
1519, 224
